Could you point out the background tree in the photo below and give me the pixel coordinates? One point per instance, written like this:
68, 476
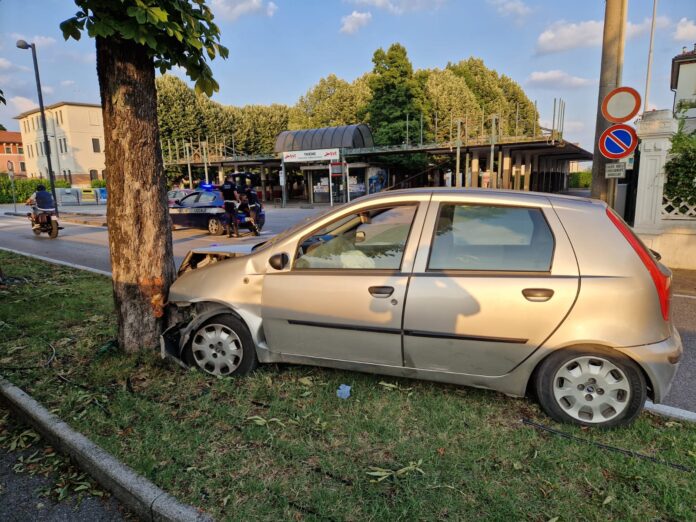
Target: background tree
331, 102
484, 83
451, 98
132, 38
515, 97
395, 94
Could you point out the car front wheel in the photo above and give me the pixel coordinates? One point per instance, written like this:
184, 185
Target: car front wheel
222, 346
591, 387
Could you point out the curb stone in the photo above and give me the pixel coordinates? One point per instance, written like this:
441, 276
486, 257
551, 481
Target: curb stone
137, 493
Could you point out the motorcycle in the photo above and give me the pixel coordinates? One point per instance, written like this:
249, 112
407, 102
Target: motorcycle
44, 221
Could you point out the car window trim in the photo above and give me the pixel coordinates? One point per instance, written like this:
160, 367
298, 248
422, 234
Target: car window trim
415, 203
465, 271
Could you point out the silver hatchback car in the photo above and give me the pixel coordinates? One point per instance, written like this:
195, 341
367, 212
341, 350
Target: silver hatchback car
517, 292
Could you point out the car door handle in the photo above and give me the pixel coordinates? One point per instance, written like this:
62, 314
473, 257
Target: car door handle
537, 295
381, 291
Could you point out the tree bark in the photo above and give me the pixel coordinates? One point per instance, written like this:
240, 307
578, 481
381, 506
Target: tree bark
140, 238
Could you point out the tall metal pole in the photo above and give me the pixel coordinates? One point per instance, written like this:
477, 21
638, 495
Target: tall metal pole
47, 146
407, 140
650, 58
188, 163
421, 129
457, 173
609, 78
492, 156
10, 172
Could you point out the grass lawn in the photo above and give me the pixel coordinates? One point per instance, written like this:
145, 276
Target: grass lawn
279, 444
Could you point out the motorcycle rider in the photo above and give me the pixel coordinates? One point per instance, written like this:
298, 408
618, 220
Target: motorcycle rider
40, 201
230, 193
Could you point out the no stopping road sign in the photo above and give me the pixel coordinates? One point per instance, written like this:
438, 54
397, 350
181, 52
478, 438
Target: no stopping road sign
618, 141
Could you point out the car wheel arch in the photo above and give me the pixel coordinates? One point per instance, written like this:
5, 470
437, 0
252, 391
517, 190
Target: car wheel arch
204, 310
533, 375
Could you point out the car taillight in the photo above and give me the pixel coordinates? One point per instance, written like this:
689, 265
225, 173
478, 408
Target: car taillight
662, 281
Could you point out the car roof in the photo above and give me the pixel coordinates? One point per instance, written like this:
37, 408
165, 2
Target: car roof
555, 199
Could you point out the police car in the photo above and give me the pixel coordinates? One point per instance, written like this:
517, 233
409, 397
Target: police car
205, 209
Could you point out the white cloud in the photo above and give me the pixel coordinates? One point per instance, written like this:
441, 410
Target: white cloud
67, 83
563, 36
354, 21
231, 10
271, 8
556, 79
38, 40
511, 7
22, 104
8, 66
47, 89
685, 30
402, 6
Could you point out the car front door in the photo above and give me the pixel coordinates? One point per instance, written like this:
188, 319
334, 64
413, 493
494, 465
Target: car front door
342, 298
181, 213
204, 209
493, 279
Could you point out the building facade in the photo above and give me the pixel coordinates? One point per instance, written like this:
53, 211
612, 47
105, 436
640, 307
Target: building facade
75, 139
12, 153
683, 83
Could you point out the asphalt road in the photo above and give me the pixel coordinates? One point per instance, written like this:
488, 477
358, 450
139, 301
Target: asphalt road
88, 246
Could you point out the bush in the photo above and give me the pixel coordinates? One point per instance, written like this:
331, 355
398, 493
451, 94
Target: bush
681, 168
580, 179
98, 183
24, 187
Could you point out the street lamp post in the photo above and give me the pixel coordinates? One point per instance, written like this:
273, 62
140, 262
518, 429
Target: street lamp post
21, 44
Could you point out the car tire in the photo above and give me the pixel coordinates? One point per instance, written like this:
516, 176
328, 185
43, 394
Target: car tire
215, 227
590, 386
222, 346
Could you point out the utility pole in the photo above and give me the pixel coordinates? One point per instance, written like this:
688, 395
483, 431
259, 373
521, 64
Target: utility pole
407, 140
650, 58
188, 163
492, 156
610, 77
457, 174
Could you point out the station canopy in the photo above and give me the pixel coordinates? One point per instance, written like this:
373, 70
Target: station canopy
344, 137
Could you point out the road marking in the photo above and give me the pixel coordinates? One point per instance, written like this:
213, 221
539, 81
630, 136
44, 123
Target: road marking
58, 262
670, 411
684, 296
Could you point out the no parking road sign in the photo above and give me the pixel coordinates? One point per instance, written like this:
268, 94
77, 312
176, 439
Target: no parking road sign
618, 141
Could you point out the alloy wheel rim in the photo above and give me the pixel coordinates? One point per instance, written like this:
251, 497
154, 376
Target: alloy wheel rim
217, 349
591, 389
214, 226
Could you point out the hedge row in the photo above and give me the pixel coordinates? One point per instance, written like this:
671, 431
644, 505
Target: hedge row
580, 179
23, 187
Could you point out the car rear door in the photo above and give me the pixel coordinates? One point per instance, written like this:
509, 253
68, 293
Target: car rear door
342, 298
494, 276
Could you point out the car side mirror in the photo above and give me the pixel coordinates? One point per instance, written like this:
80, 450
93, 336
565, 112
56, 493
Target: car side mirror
177, 202
279, 261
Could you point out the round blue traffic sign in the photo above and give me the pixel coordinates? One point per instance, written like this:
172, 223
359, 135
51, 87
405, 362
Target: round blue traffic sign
618, 141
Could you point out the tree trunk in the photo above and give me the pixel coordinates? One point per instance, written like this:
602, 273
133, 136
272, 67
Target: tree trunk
140, 238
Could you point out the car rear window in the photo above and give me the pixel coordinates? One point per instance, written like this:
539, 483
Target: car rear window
487, 237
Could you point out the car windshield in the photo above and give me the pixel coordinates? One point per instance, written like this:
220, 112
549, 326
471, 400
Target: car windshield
290, 231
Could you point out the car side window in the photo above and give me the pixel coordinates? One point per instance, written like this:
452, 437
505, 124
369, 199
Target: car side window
190, 200
486, 237
206, 198
371, 239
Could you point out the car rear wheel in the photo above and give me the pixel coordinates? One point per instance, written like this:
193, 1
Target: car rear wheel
222, 346
591, 387
215, 226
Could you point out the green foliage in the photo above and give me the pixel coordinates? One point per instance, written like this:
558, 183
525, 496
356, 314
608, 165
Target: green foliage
681, 167
452, 99
174, 32
24, 187
330, 103
396, 95
580, 179
98, 183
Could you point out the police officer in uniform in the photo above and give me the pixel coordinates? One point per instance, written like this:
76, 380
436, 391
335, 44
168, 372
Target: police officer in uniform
230, 193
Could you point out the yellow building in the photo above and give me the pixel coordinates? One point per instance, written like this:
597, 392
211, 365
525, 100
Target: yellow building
76, 142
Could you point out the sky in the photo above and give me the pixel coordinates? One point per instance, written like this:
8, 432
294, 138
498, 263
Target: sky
279, 49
